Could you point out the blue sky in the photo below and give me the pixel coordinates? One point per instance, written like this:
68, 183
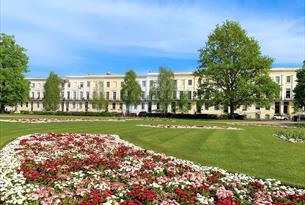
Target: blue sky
95, 36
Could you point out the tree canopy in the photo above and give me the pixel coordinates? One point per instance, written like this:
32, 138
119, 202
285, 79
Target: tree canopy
99, 101
14, 88
131, 90
299, 90
163, 91
184, 103
232, 71
51, 99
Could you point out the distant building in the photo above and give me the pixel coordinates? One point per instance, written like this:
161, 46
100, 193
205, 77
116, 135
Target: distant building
77, 91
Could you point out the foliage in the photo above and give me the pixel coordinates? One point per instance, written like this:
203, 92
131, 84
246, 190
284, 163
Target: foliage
292, 135
184, 103
99, 101
232, 70
163, 91
14, 88
299, 90
131, 90
60, 113
51, 99
104, 169
206, 147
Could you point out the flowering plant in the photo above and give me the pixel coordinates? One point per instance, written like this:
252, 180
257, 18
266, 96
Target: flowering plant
190, 126
103, 169
46, 120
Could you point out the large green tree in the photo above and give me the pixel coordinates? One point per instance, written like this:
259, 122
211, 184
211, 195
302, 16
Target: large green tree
184, 103
163, 91
51, 99
99, 101
131, 90
232, 70
14, 88
299, 90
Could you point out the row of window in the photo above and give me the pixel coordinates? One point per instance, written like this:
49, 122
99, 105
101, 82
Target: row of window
278, 79
152, 82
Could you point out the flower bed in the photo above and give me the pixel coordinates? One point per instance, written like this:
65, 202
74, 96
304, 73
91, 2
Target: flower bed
190, 126
103, 169
47, 120
268, 124
294, 136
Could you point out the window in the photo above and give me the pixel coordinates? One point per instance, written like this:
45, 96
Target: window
33, 85
81, 84
278, 79
180, 94
174, 95
143, 106
114, 95
27, 104
190, 82
190, 95
151, 83
206, 106
158, 106
73, 104
245, 107
38, 95
74, 95
81, 94
257, 107
107, 95
88, 95
88, 84
69, 84
143, 83
68, 95
113, 106
267, 107
121, 106
108, 84
288, 79
122, 83
33, 95
216, 107
176, 83
80, 105
143, 95
37, 104
288, 93
135, 107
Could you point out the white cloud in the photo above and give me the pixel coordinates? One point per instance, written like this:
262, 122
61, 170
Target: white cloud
175, 30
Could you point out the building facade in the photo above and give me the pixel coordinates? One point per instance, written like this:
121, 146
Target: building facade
77, 92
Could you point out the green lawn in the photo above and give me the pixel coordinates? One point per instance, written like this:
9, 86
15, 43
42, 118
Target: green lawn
253, 151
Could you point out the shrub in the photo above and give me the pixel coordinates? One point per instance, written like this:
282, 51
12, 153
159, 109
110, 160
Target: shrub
296, 136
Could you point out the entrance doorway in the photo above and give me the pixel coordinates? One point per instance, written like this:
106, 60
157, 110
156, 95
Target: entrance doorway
277, 108
286, 107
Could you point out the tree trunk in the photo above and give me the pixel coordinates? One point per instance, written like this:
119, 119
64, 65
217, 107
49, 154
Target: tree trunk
231, 111
2, 108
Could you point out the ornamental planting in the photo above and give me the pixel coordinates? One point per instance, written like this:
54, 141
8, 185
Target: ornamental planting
103, 169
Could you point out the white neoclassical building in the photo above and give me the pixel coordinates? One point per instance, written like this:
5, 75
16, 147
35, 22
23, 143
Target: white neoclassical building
77, 91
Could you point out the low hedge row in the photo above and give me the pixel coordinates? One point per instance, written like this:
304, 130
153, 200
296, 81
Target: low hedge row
104, 114
141, 114
192, 116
